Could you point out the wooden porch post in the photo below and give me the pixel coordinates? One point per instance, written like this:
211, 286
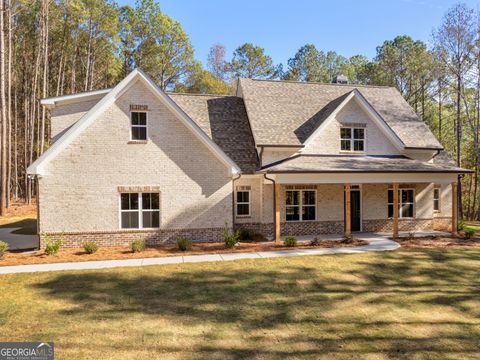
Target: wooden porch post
454, 209
395, 211
348, 227
277, 214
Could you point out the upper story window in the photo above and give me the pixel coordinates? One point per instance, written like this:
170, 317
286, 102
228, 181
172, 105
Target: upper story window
436, 199
139, 125
352, 139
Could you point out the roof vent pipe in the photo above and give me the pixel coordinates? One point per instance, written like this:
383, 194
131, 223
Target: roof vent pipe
340, 79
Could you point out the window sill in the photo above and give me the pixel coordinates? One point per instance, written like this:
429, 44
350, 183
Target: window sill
137, 142
300, 221
139, 229
244, 216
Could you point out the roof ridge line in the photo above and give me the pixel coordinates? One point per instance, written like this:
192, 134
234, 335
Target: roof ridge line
321, 83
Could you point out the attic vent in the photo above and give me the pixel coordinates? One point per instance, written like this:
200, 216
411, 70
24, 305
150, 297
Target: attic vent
340, 79
243, 188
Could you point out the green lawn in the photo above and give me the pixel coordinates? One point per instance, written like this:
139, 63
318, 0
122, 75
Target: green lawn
411, 304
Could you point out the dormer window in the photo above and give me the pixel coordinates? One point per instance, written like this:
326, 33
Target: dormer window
352, 139
139, 125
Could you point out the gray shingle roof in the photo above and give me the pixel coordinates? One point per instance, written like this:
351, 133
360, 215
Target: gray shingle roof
285, 112
225, 121
356, 163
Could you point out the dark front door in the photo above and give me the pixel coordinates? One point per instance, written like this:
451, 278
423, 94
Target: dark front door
355, 212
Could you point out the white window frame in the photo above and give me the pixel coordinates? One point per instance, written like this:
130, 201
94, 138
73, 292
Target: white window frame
439, 199
400, 203
139, 210
301, 205
243, 203
139, 126
352, 139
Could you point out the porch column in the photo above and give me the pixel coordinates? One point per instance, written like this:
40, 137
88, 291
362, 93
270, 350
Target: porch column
454, 209
348, 227
277, 213
395, 211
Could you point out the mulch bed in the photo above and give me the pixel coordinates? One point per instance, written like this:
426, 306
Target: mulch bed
119, 253
439, 242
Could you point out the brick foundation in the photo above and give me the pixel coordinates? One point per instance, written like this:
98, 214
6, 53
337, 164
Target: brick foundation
442, 223
386, 225
125, 238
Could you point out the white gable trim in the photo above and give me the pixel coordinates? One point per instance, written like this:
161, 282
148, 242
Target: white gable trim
365, 105
52, 102
37, 168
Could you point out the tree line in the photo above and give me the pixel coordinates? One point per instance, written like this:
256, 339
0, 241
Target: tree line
58, 47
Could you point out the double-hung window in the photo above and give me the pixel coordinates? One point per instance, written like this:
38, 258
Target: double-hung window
140, 210
243, 203
300, 205
436, 199
352, 139
139, 125
406, 203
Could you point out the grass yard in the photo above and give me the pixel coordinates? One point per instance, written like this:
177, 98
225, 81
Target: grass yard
475, 225
411, 304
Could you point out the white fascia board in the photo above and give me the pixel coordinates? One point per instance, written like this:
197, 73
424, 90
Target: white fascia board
37, 168
364, 104
51, 102
364, 178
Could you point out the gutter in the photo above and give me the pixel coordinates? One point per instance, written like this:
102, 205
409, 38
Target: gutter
274, 203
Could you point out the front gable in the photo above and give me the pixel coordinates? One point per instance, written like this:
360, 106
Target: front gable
353, 112
106, 104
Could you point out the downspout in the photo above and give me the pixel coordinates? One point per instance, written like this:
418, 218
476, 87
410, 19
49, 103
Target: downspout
274, 203
260, 160
233, 199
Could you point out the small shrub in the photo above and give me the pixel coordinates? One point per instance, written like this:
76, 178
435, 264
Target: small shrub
347, 239
411, 235
184, 243
290, 241
316, 241
469, 233
3, 248
247, 234
461, 225
138, 245
90, 247
51, 246
230, 238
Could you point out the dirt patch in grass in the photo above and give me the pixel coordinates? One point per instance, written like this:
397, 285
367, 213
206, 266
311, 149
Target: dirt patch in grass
119, 253
439, 242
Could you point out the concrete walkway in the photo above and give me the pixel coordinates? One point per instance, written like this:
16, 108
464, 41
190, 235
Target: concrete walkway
376, 243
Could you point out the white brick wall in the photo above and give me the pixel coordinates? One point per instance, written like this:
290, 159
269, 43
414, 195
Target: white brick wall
79, 190
63, 116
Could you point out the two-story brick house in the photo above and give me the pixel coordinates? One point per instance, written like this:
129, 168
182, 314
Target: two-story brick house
277, 156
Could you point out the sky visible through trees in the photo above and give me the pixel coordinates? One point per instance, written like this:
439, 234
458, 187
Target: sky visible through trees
58, 47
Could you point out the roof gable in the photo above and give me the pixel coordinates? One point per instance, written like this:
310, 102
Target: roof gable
37, 168
333, 111
284, 112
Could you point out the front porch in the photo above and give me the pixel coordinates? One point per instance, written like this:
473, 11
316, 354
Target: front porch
333, 210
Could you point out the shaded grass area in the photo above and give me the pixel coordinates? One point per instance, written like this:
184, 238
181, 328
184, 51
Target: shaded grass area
404, 304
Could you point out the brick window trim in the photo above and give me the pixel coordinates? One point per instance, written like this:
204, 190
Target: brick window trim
137, 189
